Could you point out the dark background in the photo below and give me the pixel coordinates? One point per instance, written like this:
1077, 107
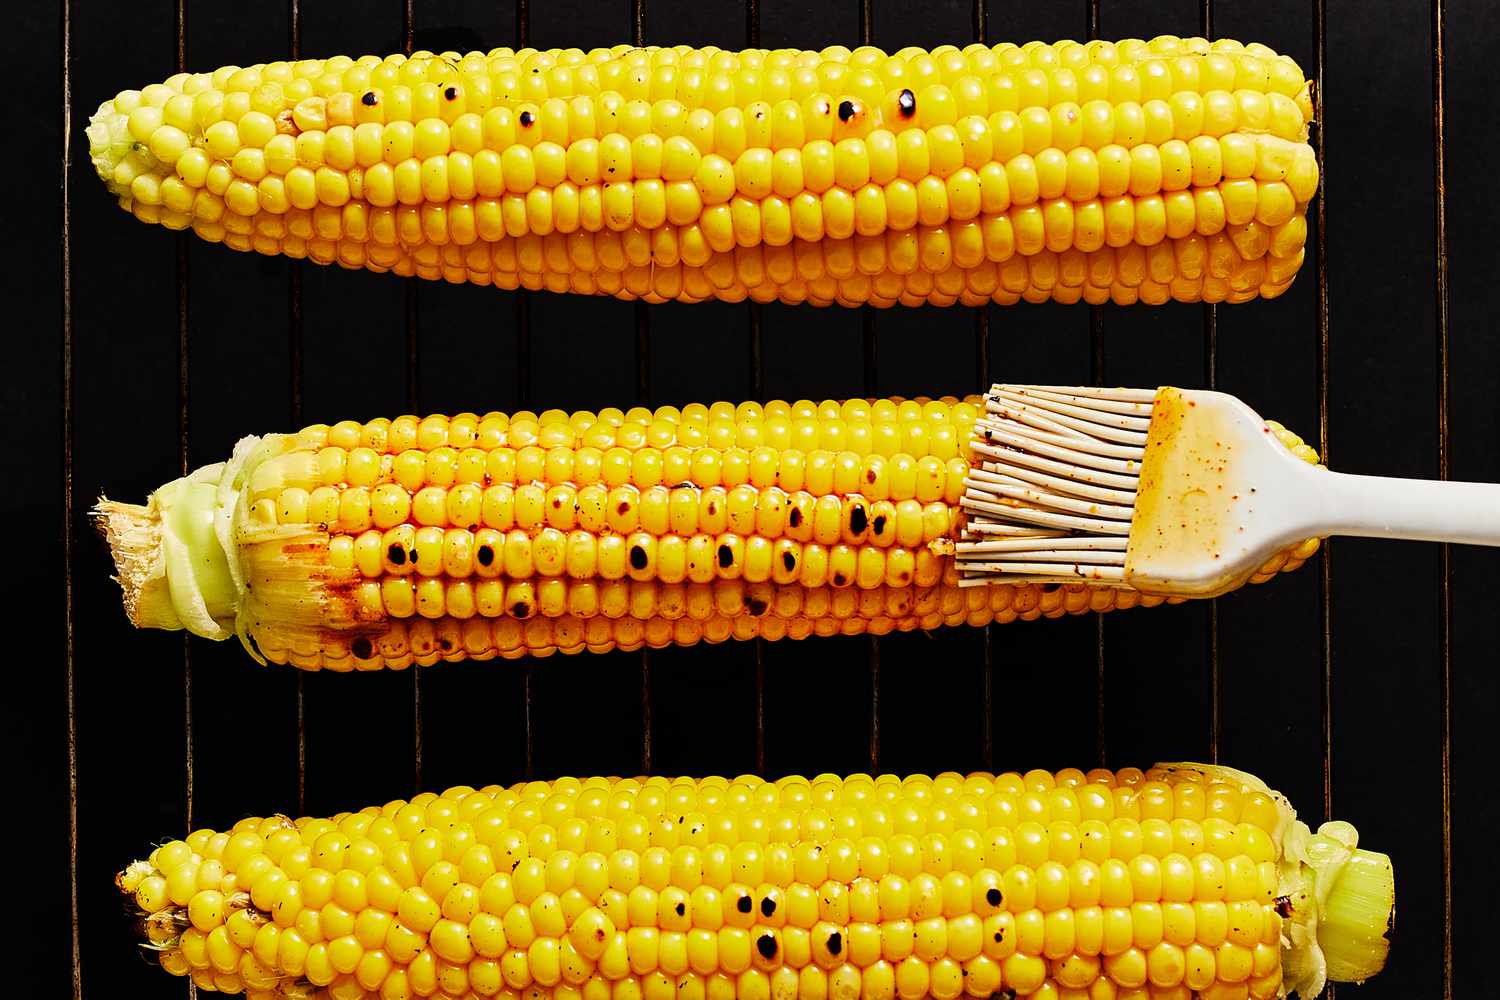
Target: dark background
1376, 680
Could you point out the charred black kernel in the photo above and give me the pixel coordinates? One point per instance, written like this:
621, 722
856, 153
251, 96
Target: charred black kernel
993, 897
369, 99
846, 110
767, 906
879, 523
520, 609
906, 103
361, 648
766, 945
396, 554
1284, 906
839, 580
794, 518
757, 607
858, 520
485, 555
743, 904
789, 560
638, 558
835, 943
445, 644
527, 118
1048, 588
451, 93
681, 910
412, 555
726, 556
999, 935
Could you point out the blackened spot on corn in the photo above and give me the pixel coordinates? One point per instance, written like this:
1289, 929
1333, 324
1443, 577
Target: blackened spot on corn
527, 117
726, 556
766, 945
1284, 906
993, 897
846, 110
835, 943
681, 910
521, 609
361, 648
999, 935
838, 580
906, 103
743, 904
757, 607
412, 555
638, 558
396, 554
485, 555
1048, 588
623, 507
451, 93
858, 520
789, 561
794, 518
445, 644
767, 906
369, 99
879, 524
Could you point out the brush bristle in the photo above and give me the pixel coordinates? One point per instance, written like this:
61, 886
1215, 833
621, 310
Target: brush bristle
1052, 489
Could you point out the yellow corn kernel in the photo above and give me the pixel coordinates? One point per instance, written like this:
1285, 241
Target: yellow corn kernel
726, 153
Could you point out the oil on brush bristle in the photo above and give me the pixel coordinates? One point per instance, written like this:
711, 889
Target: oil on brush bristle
1074, 484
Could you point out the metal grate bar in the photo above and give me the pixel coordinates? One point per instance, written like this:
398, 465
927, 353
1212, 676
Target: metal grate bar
179, 25
757, 392
523, 401
1445, 554
1325, 576
982, 382
413, 385
872, 383
1096, 377
1211, 380
69, 609
294, 363
643, 398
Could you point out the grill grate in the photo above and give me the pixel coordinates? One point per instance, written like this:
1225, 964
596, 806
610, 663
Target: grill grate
755, 380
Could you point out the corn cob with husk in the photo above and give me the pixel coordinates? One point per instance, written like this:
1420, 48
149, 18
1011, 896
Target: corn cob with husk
1174, 169
389, 542
1185, 880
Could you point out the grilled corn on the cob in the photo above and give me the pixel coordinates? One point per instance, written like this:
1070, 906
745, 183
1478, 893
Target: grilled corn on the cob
1185, 879
380, 544
1135, 171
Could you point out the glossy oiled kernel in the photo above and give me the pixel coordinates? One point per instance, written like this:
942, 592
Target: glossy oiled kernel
636, 883
436, 166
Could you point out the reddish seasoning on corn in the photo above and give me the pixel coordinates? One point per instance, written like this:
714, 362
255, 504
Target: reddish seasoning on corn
392, 542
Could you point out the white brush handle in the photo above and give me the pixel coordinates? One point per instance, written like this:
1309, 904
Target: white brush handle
1417, 509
